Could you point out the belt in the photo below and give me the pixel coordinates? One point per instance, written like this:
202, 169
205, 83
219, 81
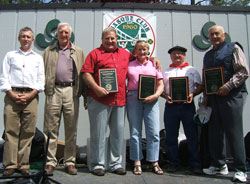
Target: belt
24, 90
65, 84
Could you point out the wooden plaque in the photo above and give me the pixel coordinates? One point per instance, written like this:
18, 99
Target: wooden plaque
213, 79
108, 79
179, 88
147, 86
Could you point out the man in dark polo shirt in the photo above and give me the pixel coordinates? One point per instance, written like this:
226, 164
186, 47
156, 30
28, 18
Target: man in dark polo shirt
63, 87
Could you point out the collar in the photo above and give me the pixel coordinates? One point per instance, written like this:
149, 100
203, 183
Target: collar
26, 53
220, 46
68, 46
56, 46
102, 49
179, 66
142, 63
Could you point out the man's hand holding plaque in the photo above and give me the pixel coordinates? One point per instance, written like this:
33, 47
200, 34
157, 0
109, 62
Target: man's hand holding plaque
213, 79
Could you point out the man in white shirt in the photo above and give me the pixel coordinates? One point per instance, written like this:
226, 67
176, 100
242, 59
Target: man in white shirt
181, 111
21, 78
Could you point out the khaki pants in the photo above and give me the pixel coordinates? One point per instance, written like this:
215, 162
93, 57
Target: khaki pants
20, 126
62, 102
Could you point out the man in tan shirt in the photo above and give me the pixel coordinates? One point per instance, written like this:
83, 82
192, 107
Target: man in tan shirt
63, 87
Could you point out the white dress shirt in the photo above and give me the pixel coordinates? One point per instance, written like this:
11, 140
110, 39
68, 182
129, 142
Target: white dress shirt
22, 69
189, 71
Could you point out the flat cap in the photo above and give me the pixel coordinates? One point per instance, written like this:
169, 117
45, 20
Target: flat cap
182, 49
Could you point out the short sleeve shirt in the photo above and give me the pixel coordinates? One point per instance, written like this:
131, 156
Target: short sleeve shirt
135, 68
100, 59
189, 71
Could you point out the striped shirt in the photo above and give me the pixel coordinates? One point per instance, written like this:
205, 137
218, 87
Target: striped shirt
241, 69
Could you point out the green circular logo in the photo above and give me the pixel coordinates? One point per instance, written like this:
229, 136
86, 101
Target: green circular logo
130, 28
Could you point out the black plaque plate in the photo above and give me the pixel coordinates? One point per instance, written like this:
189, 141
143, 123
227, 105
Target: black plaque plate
108, 79
179, 88
213, 79
147, 86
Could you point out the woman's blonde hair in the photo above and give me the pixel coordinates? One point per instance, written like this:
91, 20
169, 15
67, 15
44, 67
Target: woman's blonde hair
142, 43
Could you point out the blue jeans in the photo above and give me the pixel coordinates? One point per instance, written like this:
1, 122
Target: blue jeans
174, 113
101, 116
138, 111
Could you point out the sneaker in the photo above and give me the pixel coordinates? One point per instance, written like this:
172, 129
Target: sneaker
240, 177
216, 170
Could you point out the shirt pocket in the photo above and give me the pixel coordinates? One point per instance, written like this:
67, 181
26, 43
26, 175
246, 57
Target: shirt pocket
16, 64
106, 61
32, 65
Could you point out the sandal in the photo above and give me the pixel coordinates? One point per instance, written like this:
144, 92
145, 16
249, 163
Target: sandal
137, 170
157, 170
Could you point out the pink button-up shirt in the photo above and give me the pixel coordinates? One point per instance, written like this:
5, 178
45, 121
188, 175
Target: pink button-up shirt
135, 68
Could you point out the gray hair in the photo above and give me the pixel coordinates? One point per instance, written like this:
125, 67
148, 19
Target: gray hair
25, 29
217, 26
108, 30
64, 24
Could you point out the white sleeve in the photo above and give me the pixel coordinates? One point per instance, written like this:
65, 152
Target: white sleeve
4, 74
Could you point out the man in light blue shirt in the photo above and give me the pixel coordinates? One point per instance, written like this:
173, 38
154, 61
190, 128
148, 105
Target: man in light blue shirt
21, 78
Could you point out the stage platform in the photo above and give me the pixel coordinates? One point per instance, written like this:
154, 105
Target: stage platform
180, 177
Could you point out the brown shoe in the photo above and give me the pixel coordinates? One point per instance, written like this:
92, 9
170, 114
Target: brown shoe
8, 172
49, 169
120, 171
71, 169
98, 172
25, 171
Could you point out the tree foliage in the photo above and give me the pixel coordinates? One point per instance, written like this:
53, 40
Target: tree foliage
230, 2
19, 1
5, 1
192, 2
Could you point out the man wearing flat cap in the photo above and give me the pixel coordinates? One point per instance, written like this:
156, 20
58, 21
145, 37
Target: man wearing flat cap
179, 48
181, 111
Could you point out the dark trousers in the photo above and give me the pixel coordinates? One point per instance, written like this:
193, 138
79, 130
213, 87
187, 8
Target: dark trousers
226, 119
174, 113
204, 146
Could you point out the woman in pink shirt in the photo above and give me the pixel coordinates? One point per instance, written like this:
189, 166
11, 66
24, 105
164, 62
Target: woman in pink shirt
146, 109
